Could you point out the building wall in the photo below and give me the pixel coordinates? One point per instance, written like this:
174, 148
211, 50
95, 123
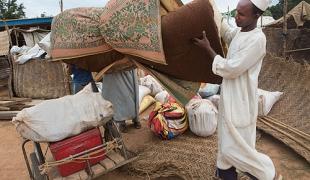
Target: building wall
296, 39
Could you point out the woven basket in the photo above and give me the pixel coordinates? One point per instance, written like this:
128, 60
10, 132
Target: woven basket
41, 79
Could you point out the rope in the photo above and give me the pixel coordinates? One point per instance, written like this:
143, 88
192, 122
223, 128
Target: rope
88, 156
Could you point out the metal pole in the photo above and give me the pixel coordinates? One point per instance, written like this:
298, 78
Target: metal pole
284, 28
61, 6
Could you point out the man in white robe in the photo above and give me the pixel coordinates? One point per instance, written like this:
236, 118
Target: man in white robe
238, 106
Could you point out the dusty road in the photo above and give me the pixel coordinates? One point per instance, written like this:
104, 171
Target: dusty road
12, 164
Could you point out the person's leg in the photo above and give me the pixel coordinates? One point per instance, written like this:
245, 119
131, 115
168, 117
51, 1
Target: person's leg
118, 89
135, 120
236, 148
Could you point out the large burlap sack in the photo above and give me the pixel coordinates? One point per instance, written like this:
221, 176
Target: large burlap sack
54, 120
202, 117
41, 79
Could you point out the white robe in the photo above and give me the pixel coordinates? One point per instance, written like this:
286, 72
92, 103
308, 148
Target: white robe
238, 106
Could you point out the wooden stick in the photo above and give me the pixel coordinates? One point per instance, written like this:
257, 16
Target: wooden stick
284, 28
295, 50
8, 115
286, 134
296, 131
15, 99
8, 103
2, 108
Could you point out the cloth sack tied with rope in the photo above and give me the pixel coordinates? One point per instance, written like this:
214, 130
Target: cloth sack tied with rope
168, 120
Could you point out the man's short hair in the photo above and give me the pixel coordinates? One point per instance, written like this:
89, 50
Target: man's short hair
256, 10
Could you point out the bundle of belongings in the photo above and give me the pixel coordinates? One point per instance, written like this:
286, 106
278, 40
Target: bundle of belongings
168, 120
57, 119
39, 48
94, 38
202, 116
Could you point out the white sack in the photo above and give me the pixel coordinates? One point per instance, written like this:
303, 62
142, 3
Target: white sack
56, 119
209, 90
151, 83
15, 50
45, 44
215, 99
202, 116
34, 52
162, 97
266, 100
143, 91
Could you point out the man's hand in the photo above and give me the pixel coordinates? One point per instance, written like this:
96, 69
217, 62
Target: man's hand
204, 43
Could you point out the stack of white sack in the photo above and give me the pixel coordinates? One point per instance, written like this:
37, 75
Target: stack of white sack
145, 100
57, 119
15, 50
202, 116
143, 91
35, 52
148, 88
162, 97
266, 100
208, 90
152, 84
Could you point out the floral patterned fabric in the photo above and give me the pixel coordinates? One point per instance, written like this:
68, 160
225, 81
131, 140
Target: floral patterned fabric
129, 26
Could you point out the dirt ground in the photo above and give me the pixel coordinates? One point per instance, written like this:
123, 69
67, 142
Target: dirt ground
290, 165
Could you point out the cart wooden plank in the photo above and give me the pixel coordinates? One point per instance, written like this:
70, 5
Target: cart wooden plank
107, 163
98, 168
115, 157
116, 166
81, 175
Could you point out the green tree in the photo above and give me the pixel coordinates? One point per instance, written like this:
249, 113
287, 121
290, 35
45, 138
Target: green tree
9, 9
277, 10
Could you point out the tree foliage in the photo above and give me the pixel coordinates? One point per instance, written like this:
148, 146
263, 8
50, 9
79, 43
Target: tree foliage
9, 9
277, 10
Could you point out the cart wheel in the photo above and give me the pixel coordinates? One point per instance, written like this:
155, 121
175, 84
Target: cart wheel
111, 132
35, 167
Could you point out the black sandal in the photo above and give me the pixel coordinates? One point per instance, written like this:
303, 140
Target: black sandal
137, 125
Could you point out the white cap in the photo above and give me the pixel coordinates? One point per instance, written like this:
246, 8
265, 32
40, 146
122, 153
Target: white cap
261, 4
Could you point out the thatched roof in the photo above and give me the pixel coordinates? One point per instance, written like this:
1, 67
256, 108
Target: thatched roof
298, 17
